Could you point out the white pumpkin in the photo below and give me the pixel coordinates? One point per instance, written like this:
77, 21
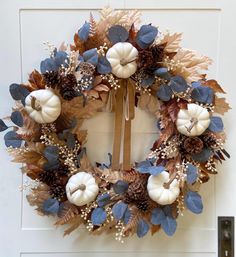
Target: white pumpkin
81, 188
43, 106
122, 57
193, 121
158, 192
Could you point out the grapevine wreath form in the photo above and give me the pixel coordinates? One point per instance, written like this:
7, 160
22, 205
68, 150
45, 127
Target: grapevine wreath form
115, 65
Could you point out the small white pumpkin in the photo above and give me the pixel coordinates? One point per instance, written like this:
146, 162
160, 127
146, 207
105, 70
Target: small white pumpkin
81, 188
122, 57
43, 106
157, 190
193, 121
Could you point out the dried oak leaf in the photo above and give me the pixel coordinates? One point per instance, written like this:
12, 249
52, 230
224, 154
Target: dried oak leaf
32, 154
214, 85
74, 224
38, 196
36, 81
85, 164
31, 170
78, 44
221, 106
30, 130
66, 213
155, 229
149, 103
172, 42
76, 108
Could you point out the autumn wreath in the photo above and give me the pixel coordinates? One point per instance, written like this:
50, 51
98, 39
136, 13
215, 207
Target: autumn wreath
114, 65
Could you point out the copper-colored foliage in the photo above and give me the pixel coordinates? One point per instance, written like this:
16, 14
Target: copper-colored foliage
214, 85
37, 196
155, 229
36, 81
67, 213
30, 130
32, 154
221, 106
149, 103
31, 170
74, 224
78, 44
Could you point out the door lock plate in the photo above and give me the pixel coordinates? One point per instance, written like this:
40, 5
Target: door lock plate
225, 236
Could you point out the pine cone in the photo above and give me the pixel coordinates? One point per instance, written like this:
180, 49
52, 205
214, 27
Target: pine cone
210, 140
145, 58
51, 79
143, 204
62, 170
193, 145
158, 52
68, 93
69, 81
48, 177
57, 191
135, 191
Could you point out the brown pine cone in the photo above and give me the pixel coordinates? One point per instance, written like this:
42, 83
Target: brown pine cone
210, 140
135, 191
57, 191
145, 58
52, 79
143, 204
48, 177
158, 52
68, 93
69, 81
193, 145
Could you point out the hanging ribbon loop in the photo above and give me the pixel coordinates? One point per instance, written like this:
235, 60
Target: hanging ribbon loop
124, 112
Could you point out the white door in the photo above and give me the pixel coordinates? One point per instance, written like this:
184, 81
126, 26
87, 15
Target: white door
208, 27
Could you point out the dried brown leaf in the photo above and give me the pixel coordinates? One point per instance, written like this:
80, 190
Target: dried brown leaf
67, 212
76, 109
78, 44
37, 196
149, 103
221, 106
155, 229
214, 85
74, 224
32, 154
36, 81
172, 42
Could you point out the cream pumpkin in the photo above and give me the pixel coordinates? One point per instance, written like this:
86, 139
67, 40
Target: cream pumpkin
43, 106
81, 189
193, 121
157, 190
122, 57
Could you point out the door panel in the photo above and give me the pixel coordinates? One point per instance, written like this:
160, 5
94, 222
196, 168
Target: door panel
25, 25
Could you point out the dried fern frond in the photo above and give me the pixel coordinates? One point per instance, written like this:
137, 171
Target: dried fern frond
122, 17
32, 154
190, 64
74, 224
38, 196
149, 103
93, 25
67, 212
172, 42
131, 226
76, 108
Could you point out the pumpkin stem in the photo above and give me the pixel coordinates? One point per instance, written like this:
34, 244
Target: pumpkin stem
81, 187
193, 121
123, 61
167, 184
35, 104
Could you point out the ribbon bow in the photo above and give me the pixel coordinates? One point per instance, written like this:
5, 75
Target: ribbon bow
124, 114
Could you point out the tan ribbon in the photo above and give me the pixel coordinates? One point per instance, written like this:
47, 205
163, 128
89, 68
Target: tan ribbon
124, 110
